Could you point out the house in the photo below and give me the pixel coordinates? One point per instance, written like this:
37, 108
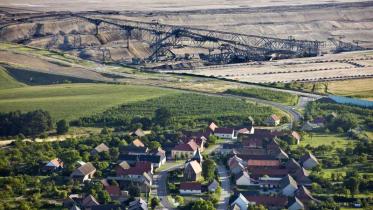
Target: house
84, 172
138, 133
197, 157
302, 177
122, 166
292, 166
270, 202
225, 133
134, 175
240, 201
134, 150
100, 148
263, 163
201, 141
53, 165
235, 165
139, 168
89, 201
186, 150
246, 131
308, 126
309, 161
272, 120
138, 143
213, 186
156, 160
138, 204
268, 182
288, 186
192, 171
295, 204
296, 136
256, 173
320, 121
212, 126
304, 195
190, 188
243, 179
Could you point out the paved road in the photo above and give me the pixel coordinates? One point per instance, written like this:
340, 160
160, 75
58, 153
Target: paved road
226, 188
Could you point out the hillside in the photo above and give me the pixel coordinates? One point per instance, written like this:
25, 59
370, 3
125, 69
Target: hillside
6, 81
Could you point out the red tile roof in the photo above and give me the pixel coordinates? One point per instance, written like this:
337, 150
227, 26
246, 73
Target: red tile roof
190, 186
268, 201
273, 172
224, 130
139, 169
263, 163
113, 190
190, 146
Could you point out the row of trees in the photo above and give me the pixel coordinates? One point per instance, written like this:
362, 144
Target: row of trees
266, 94
31, 123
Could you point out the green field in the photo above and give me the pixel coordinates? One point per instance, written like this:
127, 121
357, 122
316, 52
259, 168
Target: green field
271, 95
325, 139
6, 81
71, 101
186, 108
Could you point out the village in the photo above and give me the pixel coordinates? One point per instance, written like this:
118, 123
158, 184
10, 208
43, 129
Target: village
233, 167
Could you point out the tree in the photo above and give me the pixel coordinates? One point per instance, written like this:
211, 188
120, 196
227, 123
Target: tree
352, 183
62, 127
154, 145
162, 116
212, 139
179, 199
154, 202
133, 191
208, 169
203, 205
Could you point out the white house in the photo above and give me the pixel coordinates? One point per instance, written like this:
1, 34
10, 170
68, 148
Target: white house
225, 133
309, 161
190, 188
84, 172
241, 202
243, 179
213, 186
295, 204
288, 186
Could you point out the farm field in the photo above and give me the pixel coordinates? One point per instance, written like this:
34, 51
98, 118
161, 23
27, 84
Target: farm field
325, 139
71, 101
361, 88
187, 107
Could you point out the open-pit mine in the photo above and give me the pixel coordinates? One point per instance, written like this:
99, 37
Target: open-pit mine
258, 43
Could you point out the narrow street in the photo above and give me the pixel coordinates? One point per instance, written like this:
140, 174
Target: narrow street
226, 187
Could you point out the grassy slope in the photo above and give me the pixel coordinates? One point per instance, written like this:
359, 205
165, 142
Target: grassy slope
6, 81
325, 139
71, 101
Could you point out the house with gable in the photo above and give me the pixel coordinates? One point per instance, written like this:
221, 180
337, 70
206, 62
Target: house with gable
100, 148
288, 186
272, 120
53, 165
309, 161
225, 133
240, 201
243, 179
190, 188
84, 172
186, 150
192, 171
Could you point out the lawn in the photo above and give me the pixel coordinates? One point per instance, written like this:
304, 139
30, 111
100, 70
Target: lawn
325, 139
71, 101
